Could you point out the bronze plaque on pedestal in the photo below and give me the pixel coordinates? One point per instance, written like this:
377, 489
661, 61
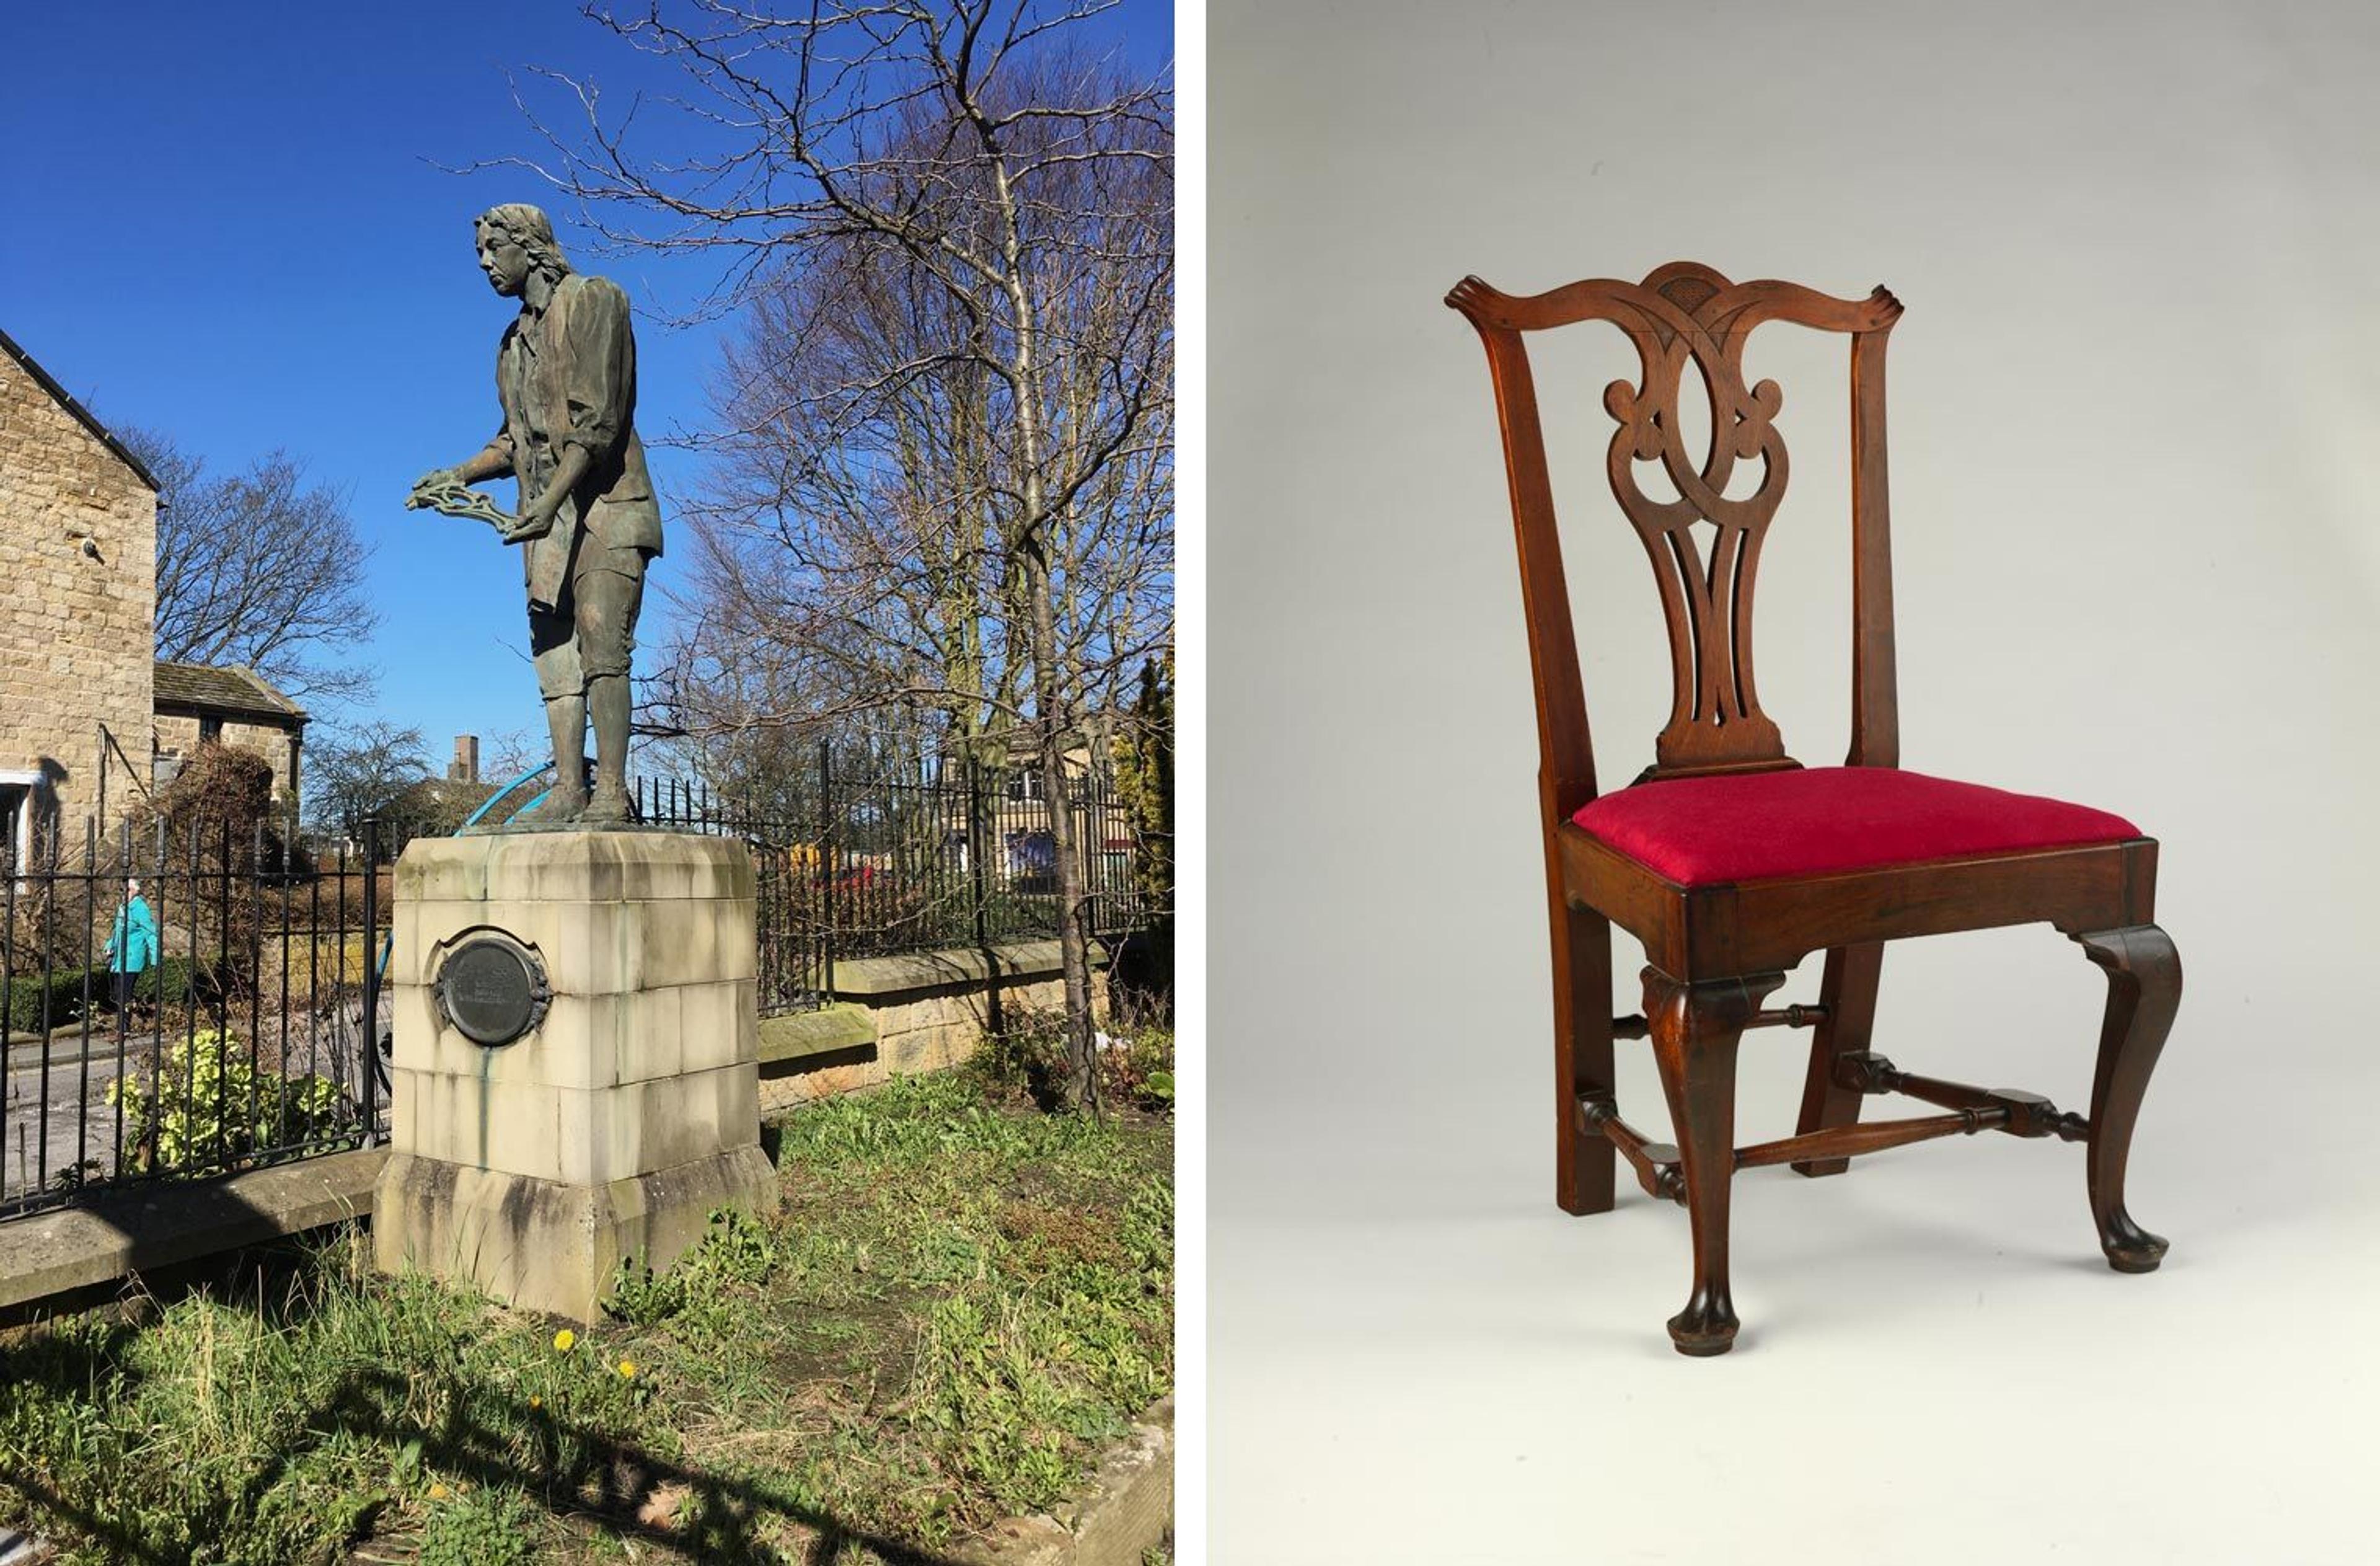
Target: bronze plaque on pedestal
492, 990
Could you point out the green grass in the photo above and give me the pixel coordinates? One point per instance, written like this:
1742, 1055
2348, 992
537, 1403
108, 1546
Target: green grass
959, 1302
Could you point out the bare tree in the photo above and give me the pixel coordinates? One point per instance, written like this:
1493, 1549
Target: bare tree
952, 415
261, 568
369, 771
505, 755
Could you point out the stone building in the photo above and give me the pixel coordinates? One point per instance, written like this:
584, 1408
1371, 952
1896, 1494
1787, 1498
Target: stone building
77, 611
197, 705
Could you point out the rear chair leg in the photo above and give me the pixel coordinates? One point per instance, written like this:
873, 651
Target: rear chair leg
1583, 1160
1695, 1029
1848, 994
2143, 989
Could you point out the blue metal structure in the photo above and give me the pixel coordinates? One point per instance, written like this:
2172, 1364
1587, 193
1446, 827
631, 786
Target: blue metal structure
532, 775
388, 942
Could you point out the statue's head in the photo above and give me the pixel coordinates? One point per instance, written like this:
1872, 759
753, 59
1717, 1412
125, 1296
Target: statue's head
517, 226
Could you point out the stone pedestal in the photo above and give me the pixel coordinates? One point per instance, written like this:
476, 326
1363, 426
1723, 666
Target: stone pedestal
629, 1110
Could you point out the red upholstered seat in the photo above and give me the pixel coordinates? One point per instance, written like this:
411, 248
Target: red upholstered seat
1749, 826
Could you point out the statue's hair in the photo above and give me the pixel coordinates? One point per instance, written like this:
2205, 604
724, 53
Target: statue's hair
526, 227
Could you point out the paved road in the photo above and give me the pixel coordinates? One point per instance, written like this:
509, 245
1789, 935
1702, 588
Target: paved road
50, 1122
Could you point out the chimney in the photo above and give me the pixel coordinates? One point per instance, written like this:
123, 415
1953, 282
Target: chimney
467, 760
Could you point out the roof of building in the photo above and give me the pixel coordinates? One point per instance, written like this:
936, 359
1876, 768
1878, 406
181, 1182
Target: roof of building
445, 791
65, 399
238, 692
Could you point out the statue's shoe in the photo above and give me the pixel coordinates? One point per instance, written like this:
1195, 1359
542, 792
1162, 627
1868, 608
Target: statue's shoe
562, 807
608, 808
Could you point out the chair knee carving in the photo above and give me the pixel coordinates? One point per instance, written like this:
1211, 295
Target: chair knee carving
1729, 860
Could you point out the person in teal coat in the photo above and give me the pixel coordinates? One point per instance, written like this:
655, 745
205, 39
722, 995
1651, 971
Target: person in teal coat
132, 947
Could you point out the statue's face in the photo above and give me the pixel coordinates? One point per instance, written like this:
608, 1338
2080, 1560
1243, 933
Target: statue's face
504, 261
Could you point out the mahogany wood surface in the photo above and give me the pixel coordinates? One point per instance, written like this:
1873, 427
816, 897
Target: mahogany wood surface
2027, 1114
1847, 993
1585, 1176
1749, 927
1656, 1163
1695, 1029
2143, 991
1851, 1141
1715, 949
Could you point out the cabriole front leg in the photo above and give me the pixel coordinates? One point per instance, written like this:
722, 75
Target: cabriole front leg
1695, 1029
2143, 989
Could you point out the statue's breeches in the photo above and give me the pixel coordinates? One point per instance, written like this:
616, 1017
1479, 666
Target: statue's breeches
591, 632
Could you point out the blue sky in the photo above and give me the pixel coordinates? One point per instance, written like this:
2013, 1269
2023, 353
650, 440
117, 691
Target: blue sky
228, 223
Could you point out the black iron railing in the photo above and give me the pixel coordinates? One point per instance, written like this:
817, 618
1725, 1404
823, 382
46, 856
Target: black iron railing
185, 1001
232, 1017
862, 855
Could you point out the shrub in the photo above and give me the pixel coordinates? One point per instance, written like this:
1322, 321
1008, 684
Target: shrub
176, 980
1143, 774
1138, 1067
1030, 1056
209, 1107
54, 918
32, 1005
224, 794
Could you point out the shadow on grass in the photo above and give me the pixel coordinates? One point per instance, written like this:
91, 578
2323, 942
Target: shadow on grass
68, 1366
576, 1471
608, 1482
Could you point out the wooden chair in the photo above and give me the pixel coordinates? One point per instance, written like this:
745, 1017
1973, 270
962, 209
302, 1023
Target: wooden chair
1726, 858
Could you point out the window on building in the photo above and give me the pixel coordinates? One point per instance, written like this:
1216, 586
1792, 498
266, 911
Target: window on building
19, 799
210, 731
12, 818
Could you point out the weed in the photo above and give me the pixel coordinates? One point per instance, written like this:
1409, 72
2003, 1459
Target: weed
736, 1248
958, 1303
1027, 1057
487, 1527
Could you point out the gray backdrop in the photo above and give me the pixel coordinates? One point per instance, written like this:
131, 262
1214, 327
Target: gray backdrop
2133, 413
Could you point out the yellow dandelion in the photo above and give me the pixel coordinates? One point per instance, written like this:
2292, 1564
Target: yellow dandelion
439, 1492
629, 1368
563, 1338
536, 1402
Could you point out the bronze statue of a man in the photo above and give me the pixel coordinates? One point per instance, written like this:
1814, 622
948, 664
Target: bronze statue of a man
566, 378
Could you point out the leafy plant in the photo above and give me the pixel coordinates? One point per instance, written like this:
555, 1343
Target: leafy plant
209, 1105
1030, 1056
480, 1527
735, 1250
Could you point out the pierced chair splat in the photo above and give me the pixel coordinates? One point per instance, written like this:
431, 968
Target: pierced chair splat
1728, 860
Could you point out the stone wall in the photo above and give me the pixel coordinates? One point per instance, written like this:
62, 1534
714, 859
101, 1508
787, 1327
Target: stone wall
179, 736
921, 1013
76, 625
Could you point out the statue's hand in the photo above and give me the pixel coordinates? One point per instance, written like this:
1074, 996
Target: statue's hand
446, 491
430, 483
534, 523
